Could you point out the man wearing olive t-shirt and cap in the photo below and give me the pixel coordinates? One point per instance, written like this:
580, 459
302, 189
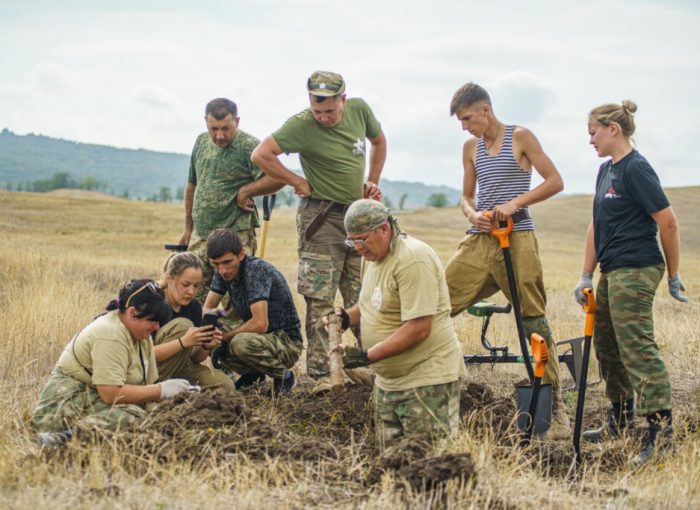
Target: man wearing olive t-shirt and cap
404, 312
330, 138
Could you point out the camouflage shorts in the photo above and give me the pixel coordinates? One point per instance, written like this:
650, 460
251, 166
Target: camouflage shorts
430, 411
66, 403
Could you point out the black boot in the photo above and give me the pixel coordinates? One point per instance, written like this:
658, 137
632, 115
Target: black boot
283, 385
619, 419
248, 379
659, 440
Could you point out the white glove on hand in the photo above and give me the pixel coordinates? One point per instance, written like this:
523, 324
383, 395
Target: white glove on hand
675, 287
172, 387
586, 282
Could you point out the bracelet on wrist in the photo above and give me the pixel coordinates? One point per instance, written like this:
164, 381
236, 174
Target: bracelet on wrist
181, 344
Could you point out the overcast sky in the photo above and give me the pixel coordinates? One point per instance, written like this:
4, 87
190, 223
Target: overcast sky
137, 74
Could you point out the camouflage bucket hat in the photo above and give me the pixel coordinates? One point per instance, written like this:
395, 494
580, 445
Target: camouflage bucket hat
365, 215
325, 84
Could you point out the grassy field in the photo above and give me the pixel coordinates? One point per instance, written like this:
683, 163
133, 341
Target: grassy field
62, 258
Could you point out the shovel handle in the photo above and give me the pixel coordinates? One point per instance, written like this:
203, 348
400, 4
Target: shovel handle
589, 308
539, 353
502, 232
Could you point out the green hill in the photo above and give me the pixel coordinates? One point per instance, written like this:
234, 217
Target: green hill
25, 159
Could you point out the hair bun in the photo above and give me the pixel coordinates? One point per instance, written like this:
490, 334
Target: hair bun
629, 106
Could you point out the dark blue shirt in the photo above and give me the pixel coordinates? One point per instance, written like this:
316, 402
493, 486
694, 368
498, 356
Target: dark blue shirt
259, 280
627, 194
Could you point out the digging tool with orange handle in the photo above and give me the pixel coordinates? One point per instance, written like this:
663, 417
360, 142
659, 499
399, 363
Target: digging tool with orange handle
589, 308
502, 234
539, 352
268, 205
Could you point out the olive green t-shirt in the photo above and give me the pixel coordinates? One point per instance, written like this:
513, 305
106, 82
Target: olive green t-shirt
407, 284
219, 174
333, 159
105, 349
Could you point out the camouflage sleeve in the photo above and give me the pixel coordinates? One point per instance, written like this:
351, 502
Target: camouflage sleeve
254, 170
192, 177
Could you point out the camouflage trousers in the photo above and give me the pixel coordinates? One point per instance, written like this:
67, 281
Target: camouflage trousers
269, 353
66, 403
326, 265
477, 271
624, 338
430, 411
181, 366
198, 245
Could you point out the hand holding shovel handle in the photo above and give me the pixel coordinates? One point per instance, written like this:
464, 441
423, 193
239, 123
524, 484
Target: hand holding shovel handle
589, 308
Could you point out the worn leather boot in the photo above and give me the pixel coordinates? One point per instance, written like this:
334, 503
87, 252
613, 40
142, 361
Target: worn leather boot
561, 425
618, 420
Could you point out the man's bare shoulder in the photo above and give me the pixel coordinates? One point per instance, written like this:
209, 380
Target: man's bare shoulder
522, 134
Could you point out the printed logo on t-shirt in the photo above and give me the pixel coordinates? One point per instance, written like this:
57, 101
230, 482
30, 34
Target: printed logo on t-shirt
377, 298
611, 193
359, 147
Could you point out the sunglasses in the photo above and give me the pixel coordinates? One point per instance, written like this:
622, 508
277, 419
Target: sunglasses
151, 286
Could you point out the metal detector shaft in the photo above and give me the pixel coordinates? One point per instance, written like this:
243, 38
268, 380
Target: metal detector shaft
589, 307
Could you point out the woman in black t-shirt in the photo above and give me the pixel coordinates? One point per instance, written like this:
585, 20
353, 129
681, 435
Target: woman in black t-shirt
183, 344
629, 208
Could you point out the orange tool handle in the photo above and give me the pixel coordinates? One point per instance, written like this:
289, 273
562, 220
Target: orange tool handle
501, 233
539, 352
589, 308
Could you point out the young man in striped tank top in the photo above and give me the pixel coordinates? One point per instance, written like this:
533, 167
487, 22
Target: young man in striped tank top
498, 162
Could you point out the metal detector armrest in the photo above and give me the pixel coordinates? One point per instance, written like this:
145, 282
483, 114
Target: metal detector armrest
486, 309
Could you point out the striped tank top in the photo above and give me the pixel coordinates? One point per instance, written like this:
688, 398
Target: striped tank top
499, 179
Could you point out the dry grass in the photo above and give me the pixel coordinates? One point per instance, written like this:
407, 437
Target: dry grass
62, 258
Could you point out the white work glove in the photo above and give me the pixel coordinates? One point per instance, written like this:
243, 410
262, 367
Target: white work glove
586, 282
675, 287
172, 387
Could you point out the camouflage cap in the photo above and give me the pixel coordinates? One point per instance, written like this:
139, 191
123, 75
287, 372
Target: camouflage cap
325, 84
365, 215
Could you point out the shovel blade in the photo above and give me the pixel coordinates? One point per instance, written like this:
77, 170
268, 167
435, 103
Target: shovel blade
543, 413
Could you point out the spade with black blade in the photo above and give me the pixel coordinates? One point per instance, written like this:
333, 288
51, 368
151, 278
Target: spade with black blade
539, 411
589, 308
268, 205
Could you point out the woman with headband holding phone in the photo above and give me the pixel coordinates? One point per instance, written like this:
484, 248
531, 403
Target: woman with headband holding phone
107, 372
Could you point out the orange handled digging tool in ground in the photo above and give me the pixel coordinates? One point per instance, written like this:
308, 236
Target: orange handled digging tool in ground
502, 234
268, 205
589, 308
539, 352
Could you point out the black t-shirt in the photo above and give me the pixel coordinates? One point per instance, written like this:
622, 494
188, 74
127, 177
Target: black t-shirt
259, 280
626, 195
193, 312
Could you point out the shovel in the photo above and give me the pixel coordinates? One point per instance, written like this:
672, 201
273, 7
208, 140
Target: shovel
502, 234
535, 399
268, 205
589, 308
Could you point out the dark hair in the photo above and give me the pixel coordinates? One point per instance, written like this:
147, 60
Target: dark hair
222, 241
467, 95
146, 296
220, 107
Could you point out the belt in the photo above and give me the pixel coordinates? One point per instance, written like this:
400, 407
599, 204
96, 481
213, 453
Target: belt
520, 215
335, 207
325, 207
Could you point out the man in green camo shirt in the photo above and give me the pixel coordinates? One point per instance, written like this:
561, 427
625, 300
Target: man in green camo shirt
330, 138
220, 167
